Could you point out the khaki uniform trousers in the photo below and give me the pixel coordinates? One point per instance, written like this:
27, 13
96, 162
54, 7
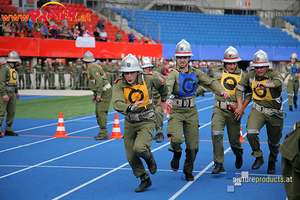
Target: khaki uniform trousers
292, 87
10, 108
159, 117
220, 118
274, 125
102, 108
184, 119
138, 140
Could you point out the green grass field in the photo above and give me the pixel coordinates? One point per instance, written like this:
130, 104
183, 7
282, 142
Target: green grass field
49, 108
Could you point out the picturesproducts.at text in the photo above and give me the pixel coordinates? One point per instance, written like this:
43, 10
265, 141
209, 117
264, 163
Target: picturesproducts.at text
256, 180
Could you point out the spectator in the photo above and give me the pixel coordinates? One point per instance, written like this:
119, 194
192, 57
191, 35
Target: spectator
58, 33
7, 29
80, 28
85, 33
142, 40
2, 25
72, 28
103, 35
70, 32
65, 33
96, 33
46, 33
53, 32
151, 41
100, 24
131, 37
119, 36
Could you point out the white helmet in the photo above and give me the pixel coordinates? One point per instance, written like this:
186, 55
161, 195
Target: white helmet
13, 57
146, 62
183, 48
130, 64
88, 57
231, 55
294, 55
260, 59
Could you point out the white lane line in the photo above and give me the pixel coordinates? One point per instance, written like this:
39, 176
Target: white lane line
196, 177
97, 178
26, 145
77, 151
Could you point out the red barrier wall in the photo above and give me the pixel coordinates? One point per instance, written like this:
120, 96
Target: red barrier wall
37, 47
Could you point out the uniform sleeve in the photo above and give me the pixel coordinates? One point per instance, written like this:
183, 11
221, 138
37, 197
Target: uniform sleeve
277, 79
209, 82
243, 86
171, 82
95, 75
3, 73
161, 86
118, 98
248, 90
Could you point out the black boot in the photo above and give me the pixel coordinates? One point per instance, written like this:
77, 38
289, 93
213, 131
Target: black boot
175, 161
144, 185
291, 108
188, 177
11, 133
152, 166
238, 162
160, 138
259, 161
271, 168
218, 168
98, 137
155, 137
295, 104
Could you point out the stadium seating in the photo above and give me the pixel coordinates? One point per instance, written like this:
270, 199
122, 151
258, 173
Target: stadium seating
206, 29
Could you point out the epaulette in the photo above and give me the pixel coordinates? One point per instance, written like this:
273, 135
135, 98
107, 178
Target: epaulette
92, 65
150, 73
170, 70
116, 80
271, 69
251, 69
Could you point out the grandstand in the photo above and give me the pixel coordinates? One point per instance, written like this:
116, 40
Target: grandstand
272, 25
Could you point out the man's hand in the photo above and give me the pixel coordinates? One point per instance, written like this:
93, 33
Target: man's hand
99, 98
238, 113
136, 105
260, 86
297, 75
17, 96
93, 99
163, 105
5, 98
225, 94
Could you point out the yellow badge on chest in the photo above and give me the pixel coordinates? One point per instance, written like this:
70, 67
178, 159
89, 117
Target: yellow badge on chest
137, 93
13, 76
261, 95
229, 82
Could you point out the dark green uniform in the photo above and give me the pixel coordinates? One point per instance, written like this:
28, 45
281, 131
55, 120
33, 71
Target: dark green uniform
85, 78
28, 76
38, 75
101, 87
184, 115
51, 77
71, 71
46, 70
8, 86
293, 83
290, 150
20, 70
138, 131
159, 112
61, 75
222, 114
266, 106
79, 76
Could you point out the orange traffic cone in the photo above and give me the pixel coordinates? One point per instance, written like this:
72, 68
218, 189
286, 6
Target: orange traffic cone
241, 137
60, 131
116, 131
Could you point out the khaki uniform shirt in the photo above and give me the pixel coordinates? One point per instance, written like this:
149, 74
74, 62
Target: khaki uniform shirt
288, 71
97, 77
202, 79
229, 82
8, 76
61, 68
151, 81
270, 97
37, 67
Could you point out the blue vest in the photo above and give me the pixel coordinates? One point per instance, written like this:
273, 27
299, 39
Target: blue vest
188, 85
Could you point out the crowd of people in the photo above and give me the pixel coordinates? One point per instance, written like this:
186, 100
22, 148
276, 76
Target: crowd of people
174, 91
